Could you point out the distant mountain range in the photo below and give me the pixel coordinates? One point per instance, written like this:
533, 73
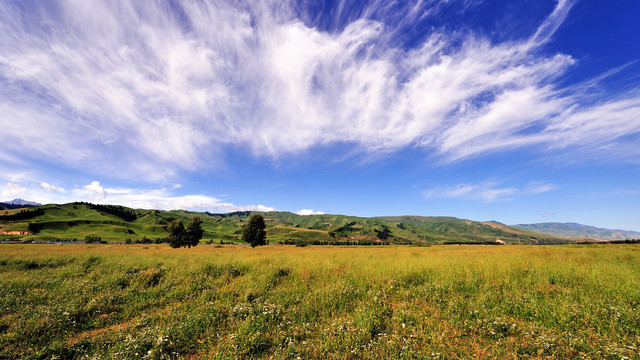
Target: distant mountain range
579, 231
17, 204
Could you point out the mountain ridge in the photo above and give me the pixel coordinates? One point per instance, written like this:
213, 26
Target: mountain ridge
579, 231
115, 223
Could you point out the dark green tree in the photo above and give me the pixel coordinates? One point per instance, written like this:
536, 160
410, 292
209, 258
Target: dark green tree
254, 232
384, 234
177, 234
193, 232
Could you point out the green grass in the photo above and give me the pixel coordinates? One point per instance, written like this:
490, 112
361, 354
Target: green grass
283, 302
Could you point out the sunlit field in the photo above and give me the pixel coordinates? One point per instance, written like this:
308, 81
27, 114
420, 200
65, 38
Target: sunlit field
283, 302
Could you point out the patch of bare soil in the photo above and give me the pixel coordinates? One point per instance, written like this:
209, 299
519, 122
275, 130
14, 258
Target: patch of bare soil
112, 328
15, 233
502, 227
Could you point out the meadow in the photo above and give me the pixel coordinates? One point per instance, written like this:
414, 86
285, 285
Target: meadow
284, 302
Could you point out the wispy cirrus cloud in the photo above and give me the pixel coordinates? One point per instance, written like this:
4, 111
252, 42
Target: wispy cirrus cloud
487, 191
141, 89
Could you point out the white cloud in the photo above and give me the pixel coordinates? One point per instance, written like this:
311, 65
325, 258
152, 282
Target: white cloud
137, 92
51, 188
488, 191
547, 213
161, 199
94, 191
143, 198
309, 212
13, 190
29, 186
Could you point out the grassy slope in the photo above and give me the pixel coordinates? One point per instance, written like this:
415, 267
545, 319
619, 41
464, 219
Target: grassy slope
234, 302
454, 229
77, 220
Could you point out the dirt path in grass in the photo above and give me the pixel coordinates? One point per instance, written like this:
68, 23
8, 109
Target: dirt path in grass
96, 332
115, 327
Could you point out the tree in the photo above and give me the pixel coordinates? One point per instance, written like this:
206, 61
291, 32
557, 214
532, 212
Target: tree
176, 234
179, 236
194, 232
92, 239
254, 232
384, 234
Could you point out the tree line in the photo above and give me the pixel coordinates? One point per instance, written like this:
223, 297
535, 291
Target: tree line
23, 215
117, 210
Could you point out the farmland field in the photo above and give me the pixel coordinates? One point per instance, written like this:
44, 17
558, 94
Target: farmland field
283, 302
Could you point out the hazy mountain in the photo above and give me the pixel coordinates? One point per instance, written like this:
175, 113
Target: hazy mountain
18, 203
579, 231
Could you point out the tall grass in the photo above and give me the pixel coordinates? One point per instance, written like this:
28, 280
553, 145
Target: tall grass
440, 302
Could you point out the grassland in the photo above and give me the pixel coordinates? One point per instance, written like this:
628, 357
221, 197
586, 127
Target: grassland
283, 302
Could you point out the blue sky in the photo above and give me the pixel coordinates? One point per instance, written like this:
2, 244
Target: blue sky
516, 111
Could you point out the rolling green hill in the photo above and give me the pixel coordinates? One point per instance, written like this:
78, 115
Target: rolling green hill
75, 221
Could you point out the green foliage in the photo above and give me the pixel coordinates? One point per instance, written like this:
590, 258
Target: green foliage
23, 215
193, 232
92, 239
179, 236
384, 234
117, 210
254, 232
